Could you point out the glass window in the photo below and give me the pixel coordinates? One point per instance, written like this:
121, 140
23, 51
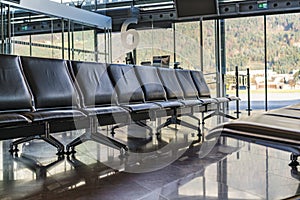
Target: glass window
244, 38
102, 45
154, 45
188, 44
20, 46
209, 55
283, 49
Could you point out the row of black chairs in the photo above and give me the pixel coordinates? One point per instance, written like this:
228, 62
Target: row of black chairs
40, 96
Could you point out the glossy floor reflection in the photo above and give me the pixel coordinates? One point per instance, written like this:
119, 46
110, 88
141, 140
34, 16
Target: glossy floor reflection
153, 169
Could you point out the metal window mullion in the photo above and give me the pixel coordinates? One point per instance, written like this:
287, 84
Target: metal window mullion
96, 45
217, 53
69, 39
110, 45
266, 63
62, 39
174, 41
2, 28
201, 44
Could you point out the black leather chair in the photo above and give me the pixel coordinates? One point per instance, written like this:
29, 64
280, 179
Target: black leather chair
98, 101
174, 91
153, 88
204, 95
15, 99
190, 92
131, 96
168, 95
55, 98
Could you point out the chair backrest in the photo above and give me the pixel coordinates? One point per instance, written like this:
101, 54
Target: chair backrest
95, 86
14, 91
170, 83
50, 83
126, 83
200, 83
187, 84
150, 83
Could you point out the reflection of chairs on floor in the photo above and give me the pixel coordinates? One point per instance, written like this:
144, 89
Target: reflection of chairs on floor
90, 173
295, 173
35, 166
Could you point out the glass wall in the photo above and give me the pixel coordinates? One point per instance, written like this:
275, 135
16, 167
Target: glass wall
118, 50
187, 40
83, 45
180, 43
277, 75
45, 45
244, 44
155, 43
21, 45
103, 52
283, 56
192, 44
209, 55
145, 45
33, 34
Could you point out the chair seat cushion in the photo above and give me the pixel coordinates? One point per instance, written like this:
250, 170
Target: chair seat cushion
233, 98
12, 119
208, 100
191, 102
170, 104
141, 107
55, 115
222, 99
105, 110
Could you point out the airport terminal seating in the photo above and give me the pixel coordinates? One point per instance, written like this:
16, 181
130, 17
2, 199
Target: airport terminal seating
156, 91
174, 92
44, 86
15, 100
279, 129
98, 102
40, 97
204, 95
131, 95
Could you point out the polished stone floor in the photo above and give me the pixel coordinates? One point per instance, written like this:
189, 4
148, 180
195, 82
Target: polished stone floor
170, 167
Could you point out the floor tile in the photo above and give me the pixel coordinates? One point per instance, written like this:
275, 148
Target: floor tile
164, 169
